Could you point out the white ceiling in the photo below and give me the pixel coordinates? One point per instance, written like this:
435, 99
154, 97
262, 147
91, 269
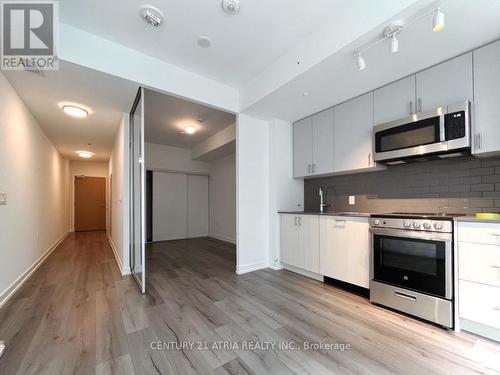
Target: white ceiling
243, 45
469, 24
166, 117
106, 97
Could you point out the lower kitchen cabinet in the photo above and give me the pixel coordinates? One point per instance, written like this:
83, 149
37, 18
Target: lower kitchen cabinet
345, 249
300, 241
479, 278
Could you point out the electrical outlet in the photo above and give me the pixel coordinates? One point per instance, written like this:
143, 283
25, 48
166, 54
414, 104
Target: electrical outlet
352, 199
3, 199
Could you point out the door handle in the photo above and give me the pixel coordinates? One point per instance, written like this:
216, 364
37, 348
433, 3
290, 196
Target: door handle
419, 109
411, 107
405, 296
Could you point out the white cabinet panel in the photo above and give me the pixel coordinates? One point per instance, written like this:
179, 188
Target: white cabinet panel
300, 241
345, 249
322, 145
446, 83
394, 101
169, 206
479, 263
197, 206
353, 133
302, 147
479, 303
487, 99
485, 233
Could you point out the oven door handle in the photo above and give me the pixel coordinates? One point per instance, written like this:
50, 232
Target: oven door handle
442, 131
405, 296
402, 233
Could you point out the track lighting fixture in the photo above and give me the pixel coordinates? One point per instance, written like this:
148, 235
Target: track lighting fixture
361, 62
438, 21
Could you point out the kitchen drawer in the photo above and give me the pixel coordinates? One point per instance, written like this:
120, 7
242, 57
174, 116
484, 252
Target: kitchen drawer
479, 263
485, 233
479, 303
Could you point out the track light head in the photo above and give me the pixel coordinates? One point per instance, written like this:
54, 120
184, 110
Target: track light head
438, 21
394, 43
361, 62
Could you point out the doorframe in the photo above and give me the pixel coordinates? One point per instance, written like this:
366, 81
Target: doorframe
72, 200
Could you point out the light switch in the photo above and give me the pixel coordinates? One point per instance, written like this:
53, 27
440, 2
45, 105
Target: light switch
352, 199
3, 199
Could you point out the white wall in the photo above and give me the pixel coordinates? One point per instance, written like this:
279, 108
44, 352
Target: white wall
285, 192
252, 193
173, 159
118, 167
222, 199
35, 177
90, 169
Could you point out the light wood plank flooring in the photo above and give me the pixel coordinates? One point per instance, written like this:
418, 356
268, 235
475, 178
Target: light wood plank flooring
77, 315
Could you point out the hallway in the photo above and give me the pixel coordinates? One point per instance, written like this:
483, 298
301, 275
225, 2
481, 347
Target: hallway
77, 315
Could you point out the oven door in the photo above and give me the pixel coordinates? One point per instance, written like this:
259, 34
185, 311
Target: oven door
413, 260
419, 134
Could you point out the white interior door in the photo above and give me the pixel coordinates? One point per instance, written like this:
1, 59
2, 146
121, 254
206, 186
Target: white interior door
137, 182
197, 206
169, 206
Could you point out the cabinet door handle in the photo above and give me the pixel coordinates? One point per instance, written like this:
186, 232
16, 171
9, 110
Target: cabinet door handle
419, 105
496, 308
411, 107
313, 167
370, 159
295, 220
308, 168
495, 266
300, 221
480, 140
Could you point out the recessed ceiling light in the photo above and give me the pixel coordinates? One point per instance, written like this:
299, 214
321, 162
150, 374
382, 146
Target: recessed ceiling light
204, 41
75, 111
231, 6
151, 15
85, 154
190, 130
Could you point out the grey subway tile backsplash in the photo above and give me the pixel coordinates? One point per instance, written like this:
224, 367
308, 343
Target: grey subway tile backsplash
463, 185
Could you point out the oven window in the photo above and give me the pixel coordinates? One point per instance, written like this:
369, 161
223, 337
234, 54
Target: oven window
412, 263
418, 133
407, 255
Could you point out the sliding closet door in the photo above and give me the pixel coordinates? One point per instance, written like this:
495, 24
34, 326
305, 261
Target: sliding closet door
197, 206
169, 206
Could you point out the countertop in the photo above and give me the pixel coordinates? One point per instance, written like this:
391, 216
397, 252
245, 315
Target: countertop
473, 219
335, 213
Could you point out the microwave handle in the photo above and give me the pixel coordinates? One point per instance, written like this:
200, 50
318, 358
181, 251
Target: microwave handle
442, 132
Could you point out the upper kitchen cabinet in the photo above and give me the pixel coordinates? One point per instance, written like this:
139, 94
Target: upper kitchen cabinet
486, 100
302, 147
313, 145
353, 134
394, 101
446, 83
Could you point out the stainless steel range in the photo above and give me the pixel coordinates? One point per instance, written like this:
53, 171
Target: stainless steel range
412, 264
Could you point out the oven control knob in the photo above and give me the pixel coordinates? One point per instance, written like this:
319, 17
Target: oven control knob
376, 221
416, 225
427, 226
407, 224
438, 226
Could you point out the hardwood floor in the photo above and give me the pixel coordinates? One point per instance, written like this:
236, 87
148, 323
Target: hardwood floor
77, 315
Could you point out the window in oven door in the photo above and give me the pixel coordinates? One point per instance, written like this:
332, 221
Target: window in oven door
412, 263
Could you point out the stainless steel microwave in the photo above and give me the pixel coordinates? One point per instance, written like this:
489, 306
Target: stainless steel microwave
442, 132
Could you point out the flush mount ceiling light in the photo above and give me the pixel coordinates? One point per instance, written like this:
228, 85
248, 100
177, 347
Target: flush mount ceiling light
190, 130
438, 21
85, 154
151, 15
75, 111
204, 41
231, 6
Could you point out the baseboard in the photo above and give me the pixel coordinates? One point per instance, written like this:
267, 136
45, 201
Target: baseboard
276, 266
241, 269
12, 288
222, 238
300, 271
123, 270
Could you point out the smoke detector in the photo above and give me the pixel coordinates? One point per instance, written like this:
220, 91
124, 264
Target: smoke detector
231, 6
151, 15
